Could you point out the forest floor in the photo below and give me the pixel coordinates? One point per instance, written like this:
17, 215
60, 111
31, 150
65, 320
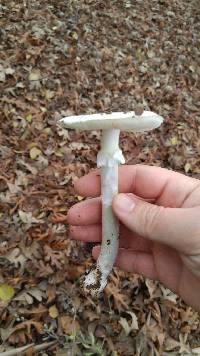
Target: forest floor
69, 57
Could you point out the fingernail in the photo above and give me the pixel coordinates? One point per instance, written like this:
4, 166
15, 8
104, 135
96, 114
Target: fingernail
124, 203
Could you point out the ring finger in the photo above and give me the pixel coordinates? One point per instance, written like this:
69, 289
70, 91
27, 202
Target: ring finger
93, 233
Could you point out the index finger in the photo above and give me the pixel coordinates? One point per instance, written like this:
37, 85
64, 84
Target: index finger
167, 188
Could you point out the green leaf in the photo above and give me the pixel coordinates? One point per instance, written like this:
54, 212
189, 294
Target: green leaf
6, 292
174, 141
29, 118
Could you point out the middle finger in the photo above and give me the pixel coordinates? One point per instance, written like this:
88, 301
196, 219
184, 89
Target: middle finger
87, 212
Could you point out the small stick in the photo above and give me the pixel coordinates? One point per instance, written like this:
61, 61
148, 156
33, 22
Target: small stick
23, 349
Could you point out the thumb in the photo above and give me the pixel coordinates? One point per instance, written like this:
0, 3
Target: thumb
176, 227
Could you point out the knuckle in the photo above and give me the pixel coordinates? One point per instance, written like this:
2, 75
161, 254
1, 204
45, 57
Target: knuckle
152, 220
193, 263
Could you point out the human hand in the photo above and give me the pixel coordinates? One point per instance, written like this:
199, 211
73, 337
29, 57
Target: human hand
159, 213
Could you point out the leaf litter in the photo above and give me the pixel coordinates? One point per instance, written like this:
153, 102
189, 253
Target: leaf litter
71, 57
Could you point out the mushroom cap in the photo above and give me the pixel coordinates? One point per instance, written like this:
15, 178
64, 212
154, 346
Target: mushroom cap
127, 121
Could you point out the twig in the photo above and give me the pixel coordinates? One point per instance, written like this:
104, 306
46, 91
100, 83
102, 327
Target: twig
23, 349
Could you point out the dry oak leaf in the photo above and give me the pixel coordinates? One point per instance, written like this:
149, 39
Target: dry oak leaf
17, 258
28, 324
27, 296
69, 325
119, 298
55, 258
36, 311
25, 326
128, 328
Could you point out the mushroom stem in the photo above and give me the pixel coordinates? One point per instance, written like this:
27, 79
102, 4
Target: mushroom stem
109, 157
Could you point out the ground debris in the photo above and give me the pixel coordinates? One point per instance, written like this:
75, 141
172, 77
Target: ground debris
60, 58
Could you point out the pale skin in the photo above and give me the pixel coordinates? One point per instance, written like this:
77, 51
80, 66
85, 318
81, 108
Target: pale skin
159, 213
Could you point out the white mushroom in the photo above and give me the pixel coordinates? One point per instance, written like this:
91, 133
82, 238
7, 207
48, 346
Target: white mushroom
108, 159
